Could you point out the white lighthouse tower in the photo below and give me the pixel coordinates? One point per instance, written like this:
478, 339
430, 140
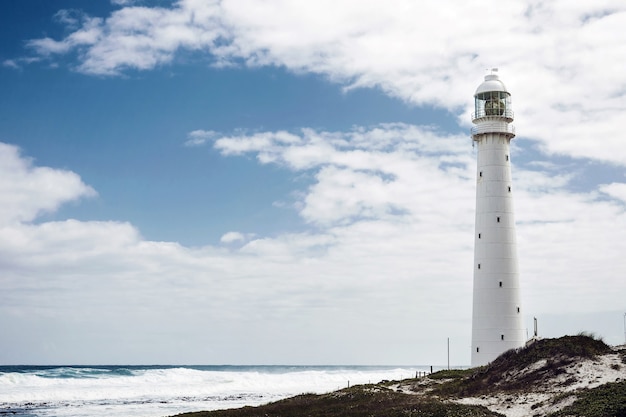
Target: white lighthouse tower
496, 316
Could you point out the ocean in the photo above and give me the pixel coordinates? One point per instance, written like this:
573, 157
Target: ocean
159, 391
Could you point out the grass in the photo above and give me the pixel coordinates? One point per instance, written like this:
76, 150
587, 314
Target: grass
451, 374
605, 400
358, 401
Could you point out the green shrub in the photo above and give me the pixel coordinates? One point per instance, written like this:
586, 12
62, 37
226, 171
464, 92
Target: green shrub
605, 400
557, 354
451, 374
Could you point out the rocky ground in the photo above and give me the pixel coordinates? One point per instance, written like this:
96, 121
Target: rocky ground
569, 376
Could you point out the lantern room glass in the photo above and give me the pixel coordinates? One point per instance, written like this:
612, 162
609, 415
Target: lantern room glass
493, 103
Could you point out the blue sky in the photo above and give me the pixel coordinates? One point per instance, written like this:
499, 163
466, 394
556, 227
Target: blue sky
293, 182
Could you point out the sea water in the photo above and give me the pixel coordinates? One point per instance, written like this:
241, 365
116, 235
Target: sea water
157, 391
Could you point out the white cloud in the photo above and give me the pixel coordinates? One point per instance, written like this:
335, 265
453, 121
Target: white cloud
409, 199
123, 2
18, 62
135, 37
420, 199
27, 191
391, 209
71, 18
315, 148
200, 137
616, 190
558, 57
10, 63
231, 237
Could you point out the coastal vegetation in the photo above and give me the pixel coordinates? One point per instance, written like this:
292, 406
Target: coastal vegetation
357, 401
569, 376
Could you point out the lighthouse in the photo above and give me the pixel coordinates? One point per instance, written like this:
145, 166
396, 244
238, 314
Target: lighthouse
497, 324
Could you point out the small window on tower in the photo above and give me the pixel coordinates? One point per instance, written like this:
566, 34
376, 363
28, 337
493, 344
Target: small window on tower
509, 188
507, 157
477, 349
480, 174
478, 266
479, 236
501, 337
500, 283
498, 219
518, 309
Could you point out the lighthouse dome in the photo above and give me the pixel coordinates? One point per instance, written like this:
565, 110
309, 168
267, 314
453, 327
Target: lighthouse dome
492, 83
492, 107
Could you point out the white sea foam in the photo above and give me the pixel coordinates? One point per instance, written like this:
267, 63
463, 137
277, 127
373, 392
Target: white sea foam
168, 391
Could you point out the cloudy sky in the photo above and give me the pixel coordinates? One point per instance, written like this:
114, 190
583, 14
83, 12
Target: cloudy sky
293, 182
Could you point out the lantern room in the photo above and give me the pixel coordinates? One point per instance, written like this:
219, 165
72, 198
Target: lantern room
492, 100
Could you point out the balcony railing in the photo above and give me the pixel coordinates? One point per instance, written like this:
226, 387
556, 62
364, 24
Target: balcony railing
506, 113
493, 127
